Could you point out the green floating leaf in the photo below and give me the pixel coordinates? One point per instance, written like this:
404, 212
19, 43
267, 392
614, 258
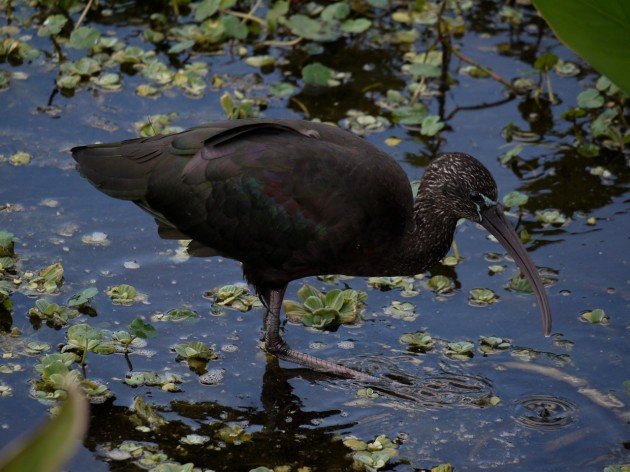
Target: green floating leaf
195, 350
142, 329
260, 61
597, 316
53, 443
440, 284
206, 8
598, 31
176, 315
492, 344
410, 114
590, 98
424, 70
322, 311
482, 297
460, 350
545, 62
316, 74
85, 37
515, 199
282, 89
52, 25
7, 244
122, 294
236, 297
181, 46
82, 298
431, 125
356, 26
419, 341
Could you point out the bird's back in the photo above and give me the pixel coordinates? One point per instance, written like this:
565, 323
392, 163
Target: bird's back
287, 198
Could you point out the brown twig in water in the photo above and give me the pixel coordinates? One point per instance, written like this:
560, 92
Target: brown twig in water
301, 105
282, 44
245, 16
485, 69
83, 14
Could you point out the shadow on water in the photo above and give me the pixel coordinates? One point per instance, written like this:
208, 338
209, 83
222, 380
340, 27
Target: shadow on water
282, 431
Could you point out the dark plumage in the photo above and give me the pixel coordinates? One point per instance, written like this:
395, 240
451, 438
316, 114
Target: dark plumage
290, 199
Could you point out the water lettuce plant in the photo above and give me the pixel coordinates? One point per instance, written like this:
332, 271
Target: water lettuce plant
597, 316
440, 284
482, 297
167, 382
48, 279
236, 297
319, 310
492, 344
195, 350
56, 376
393, 283
82, 299
52, 314
176, 315
233, 434
123, 294
402, 310
374, 455
460, 350
420, 341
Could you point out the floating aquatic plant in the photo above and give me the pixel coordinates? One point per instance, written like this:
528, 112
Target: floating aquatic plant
371, 456
597, 316
482, 297
123, 294
233, 434
195, 350
440, 284
320, 310
492, 344
176, 315
460, 350
394, 283
52, 314
420, 341
235, 296
402, 310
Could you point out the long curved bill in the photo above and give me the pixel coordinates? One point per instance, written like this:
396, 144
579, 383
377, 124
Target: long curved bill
496, 223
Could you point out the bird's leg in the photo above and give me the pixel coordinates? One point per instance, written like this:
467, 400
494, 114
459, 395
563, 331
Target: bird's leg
274, 344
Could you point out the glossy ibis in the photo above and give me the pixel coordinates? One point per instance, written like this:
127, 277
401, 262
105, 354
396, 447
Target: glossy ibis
291, 199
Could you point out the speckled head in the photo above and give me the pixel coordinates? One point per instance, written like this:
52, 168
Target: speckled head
462, 184
456, 185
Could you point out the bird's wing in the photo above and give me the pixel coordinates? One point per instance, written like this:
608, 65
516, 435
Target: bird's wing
268, 193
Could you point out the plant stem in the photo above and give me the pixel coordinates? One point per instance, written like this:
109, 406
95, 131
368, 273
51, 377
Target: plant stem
83, 14
456, 250
552, 99
487, 70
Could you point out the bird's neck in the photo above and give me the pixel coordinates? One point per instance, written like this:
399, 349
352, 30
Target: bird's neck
429, 235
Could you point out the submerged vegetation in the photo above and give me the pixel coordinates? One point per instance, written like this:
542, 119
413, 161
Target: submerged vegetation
410, 76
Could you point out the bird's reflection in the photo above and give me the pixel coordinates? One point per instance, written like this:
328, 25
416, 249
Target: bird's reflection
282, 432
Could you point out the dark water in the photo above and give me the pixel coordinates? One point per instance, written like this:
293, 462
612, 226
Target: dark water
553, 414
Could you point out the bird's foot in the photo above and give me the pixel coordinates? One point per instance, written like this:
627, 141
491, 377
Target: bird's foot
282, 351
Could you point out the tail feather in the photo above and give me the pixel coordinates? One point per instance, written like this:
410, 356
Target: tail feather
121, 169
